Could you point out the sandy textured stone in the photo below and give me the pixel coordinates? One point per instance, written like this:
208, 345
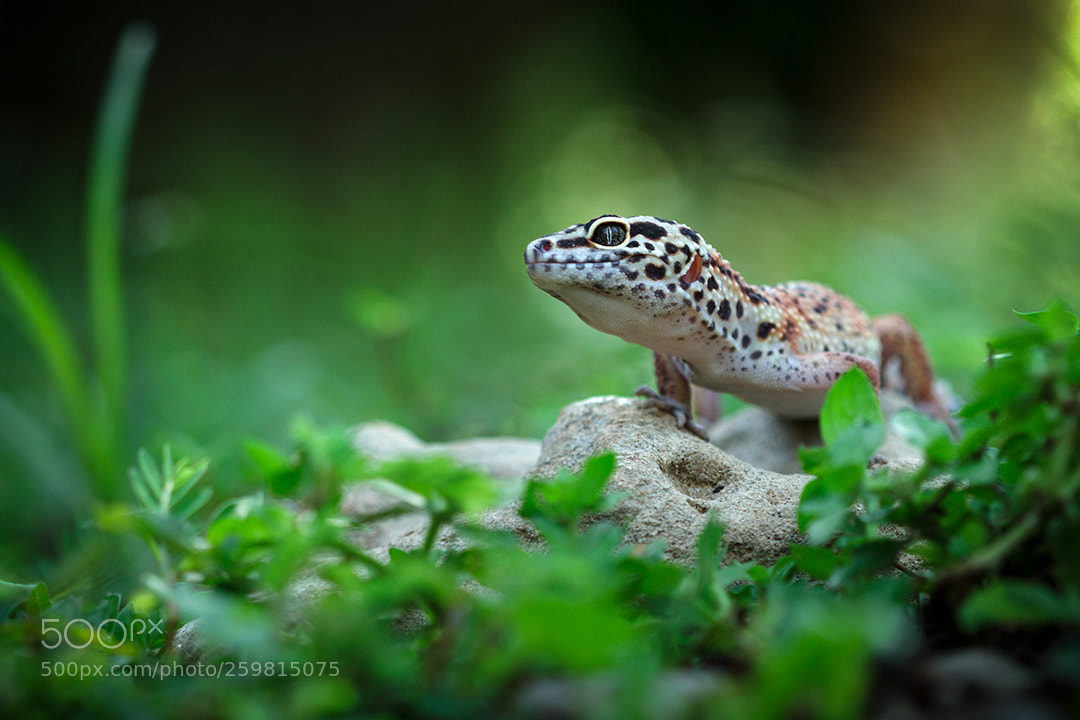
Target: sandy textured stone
673, 480
503, 458
768, 442
507, 459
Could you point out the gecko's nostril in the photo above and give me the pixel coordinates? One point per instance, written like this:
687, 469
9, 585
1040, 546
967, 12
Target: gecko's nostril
545, 246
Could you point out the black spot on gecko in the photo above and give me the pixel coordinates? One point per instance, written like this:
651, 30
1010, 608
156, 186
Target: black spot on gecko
755, 355
725, 309
820, 308
655, 272
735, 334
764, 329
649, 246
738, 308
746, 342
671, 248
699, 295
690, 234
712, 284
631, 274
633, 243
572, 242
671, 287
648, 229
710, 307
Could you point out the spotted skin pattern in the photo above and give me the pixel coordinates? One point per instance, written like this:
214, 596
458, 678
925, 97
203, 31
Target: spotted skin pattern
657, 283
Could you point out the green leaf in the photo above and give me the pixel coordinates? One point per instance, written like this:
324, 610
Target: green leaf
851, 402
192, 505
710, 544
817, 562
1057, 322
268, 458
45, 328
104, 211
566, 498
1018, 602
149, 471
187, 475
32, 599
931, 436
866, 560
285, 483
142, 492
825, 503
445, 485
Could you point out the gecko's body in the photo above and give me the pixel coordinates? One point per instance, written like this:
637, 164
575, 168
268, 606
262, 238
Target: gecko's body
656, 283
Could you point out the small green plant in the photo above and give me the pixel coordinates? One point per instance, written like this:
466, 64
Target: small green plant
985, 532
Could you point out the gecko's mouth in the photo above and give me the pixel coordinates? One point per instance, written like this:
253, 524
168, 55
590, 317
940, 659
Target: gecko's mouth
600, 261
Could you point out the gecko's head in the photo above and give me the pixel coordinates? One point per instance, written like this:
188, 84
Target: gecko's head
624, 276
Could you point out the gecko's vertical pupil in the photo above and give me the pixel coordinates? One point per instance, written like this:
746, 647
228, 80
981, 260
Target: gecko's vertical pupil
609, 234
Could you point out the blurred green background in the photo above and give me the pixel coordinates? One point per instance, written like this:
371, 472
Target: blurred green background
327, 205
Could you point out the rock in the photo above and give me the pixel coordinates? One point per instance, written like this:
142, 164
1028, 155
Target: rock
766, 441
673, 480
501, 458
966, 683
672, 693
959, 678
188, 643
508, 459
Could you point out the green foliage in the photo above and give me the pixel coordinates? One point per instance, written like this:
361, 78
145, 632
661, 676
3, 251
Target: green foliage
93, 399
977, 543
561, 504
987, 528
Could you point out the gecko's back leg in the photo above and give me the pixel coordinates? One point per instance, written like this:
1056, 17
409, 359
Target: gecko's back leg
900, 340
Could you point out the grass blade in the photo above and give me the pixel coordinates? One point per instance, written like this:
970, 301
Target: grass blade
104, 198
45, 328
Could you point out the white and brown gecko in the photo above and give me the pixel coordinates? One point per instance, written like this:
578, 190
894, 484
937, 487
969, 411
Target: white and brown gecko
656, 283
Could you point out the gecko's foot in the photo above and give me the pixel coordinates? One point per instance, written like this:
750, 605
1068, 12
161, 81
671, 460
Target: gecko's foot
683, 416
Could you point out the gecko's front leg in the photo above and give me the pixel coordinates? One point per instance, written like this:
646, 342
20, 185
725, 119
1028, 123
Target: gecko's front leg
673, 393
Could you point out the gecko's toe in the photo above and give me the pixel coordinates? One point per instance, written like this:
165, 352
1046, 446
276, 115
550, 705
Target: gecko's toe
683, 417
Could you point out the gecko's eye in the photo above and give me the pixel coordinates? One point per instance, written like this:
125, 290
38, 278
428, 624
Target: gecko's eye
608, 234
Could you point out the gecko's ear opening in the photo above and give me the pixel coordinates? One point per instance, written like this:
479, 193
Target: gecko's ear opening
693, 273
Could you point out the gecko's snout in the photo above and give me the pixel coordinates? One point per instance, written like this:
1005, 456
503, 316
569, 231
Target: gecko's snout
535, 250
